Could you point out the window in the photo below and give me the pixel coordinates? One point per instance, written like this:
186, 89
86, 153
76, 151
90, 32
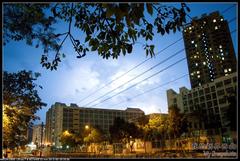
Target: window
208, 97
219, 84
207, 90
220, 92
195, 94
209, 104
202, 105
230, 90
212, 88
196, 100
190, 102
222, 100
215, 103
214, 95
200, 92
227, 81
202, 99
189, 95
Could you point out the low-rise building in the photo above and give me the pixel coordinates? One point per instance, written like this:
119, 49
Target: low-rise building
61, 117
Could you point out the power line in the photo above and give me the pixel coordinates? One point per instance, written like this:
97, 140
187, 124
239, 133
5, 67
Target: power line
110, 82
228, 8
137, 76
147, 90
152, 89
233, 31
233, 19
141, 81
94, 92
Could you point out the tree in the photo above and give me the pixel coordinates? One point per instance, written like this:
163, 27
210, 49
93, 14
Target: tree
124, 132
177, 123
110, 29
96, 135
70, 138
153, 127
20, 103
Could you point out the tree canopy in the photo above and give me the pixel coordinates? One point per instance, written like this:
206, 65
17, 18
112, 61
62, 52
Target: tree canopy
20, 103
111, 29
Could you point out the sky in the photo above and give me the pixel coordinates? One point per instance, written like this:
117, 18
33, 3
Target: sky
76, 79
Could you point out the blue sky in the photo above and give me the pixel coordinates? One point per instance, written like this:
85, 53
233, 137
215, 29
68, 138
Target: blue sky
77, 78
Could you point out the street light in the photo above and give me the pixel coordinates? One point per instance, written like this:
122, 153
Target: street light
86, 127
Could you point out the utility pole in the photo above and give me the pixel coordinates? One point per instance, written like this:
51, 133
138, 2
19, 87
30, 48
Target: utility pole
41, 140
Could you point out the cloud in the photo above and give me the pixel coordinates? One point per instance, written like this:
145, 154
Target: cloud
69, 84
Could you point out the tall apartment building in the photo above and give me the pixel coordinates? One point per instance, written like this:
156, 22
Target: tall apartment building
209, 49
61, 117
209, 98
37, 132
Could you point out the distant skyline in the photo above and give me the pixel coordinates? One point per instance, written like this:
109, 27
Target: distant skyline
77, 78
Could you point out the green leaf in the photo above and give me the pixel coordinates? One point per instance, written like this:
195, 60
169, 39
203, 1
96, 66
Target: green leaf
87, 38
129, 48
149, 8
94, 48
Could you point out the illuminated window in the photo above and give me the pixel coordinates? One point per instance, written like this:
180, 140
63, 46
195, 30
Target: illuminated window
220, 46
190, 28
204, 63
199, 36
204, 22
229, 69
198, 76
195, 45
196, 64
195, 56
214, 20
223, 58
211, 79
192, 74
210, 48
226, 74
198, 72
216, 27
185, 30
201, 27
192, 42
225, 70
221, 19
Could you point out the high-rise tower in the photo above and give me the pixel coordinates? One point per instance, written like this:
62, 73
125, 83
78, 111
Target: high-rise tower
209, 49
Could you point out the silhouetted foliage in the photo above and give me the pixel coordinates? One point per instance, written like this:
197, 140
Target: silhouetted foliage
20, 103
177, 122
123, 131
108, 28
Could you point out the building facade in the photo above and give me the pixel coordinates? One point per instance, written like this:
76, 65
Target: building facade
209, 49
61, 117
206, 105
38, 135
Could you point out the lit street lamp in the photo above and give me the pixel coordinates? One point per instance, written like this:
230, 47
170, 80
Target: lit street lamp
86, 127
